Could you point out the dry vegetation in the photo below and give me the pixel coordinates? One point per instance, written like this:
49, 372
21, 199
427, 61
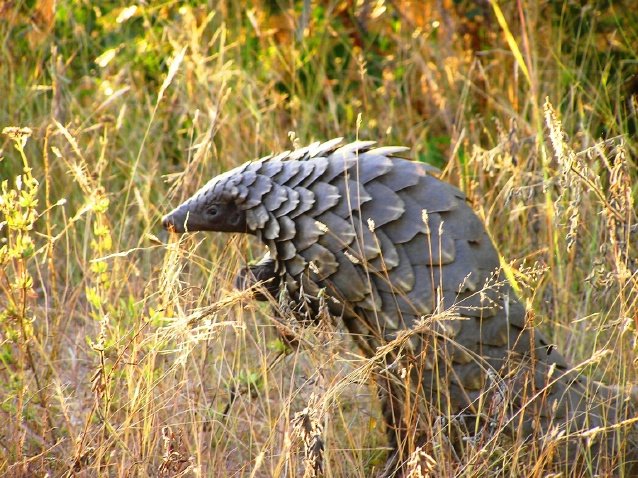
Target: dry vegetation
122, 354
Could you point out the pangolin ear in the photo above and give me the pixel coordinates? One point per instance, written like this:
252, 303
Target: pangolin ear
236, 220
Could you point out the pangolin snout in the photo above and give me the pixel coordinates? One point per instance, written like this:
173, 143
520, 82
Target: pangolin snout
174, 222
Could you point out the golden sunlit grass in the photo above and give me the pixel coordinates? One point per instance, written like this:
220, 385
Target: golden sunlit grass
123, 353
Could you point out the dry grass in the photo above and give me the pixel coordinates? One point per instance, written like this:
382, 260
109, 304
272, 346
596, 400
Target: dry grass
122, 354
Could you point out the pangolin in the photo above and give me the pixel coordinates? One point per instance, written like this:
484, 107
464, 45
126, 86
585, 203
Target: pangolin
387, 247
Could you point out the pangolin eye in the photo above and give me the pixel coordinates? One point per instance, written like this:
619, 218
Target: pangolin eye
213, 210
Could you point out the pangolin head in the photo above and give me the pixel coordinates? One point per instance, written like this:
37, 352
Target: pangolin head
218, 206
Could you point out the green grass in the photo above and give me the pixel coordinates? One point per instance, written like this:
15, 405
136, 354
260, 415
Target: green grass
109, 335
